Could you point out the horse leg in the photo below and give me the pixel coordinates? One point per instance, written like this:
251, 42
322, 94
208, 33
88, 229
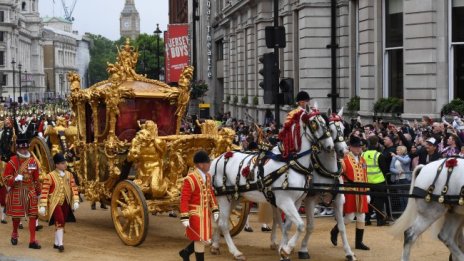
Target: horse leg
291, 213
338, 208
310, 203
277, 222
427, 214
225, 209
216, 237
449, 232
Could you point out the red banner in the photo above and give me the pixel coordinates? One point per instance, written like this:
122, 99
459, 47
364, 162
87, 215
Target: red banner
177, 51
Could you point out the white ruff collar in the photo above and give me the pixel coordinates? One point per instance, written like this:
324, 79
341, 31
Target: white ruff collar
25, 156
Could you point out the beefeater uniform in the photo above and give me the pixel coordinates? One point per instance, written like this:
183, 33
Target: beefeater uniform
58, 195
197, 204
22, 196
355, 171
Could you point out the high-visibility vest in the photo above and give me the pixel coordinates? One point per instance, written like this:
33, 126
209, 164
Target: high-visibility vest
374, 173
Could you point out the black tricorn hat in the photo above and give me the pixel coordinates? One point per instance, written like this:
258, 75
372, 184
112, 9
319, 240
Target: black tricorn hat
355, 141
58, 158
302, 96
201, 157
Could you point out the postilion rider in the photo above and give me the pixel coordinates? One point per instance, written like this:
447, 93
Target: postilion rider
21, 176
197, 206
59, 193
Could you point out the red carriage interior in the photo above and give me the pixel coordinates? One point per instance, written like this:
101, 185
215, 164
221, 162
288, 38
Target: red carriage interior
132, 110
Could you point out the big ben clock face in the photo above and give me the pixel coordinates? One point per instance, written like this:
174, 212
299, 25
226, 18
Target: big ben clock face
126, 24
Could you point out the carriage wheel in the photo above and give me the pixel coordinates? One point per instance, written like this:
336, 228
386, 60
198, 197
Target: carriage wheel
130, 213
238, 217
41, 152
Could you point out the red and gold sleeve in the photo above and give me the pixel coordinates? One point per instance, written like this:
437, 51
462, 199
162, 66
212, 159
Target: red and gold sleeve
74, 188
213, 205
185, 196
45, 191
9, 175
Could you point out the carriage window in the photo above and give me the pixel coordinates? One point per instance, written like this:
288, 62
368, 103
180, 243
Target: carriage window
142, 109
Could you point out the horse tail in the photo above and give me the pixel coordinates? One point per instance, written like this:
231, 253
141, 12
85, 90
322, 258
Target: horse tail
409, 214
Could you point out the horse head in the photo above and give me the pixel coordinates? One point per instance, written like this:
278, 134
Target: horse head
318, 134
336, 127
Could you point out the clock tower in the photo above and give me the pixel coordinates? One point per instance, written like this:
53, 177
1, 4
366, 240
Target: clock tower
129, 21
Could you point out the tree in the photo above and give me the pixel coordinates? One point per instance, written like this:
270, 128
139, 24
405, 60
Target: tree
102, 51
148, 55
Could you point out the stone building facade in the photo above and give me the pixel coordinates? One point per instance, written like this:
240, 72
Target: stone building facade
20, 33
64, 51
410, 49
178, 11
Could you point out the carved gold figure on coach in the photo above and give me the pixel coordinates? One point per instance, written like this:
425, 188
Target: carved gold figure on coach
147, 152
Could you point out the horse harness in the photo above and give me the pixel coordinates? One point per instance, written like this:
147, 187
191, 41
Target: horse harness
443, 198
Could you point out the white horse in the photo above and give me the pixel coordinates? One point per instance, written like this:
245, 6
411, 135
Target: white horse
420, 214
327, 174
313, 132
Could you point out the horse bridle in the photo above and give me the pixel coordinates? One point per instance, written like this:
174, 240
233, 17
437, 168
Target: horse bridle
313, 121
335, 120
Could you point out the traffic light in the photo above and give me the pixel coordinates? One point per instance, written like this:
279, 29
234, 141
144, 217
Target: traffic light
268, 61
286, 86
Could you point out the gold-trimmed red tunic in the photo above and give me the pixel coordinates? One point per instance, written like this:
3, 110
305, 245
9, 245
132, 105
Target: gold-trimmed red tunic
197, 203
355, 172
21, 199
56, 191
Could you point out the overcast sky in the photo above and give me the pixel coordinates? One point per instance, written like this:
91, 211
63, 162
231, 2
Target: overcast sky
102, 16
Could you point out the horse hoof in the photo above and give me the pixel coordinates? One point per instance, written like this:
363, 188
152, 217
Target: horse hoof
351, 258
303, 255
215, 251
284, 254
274, 246
240, 257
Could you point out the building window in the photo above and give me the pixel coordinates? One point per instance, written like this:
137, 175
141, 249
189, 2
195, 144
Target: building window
393, 48
2, 16
4, 79
457, 48
2, 58
23, 6
2, 36
220, 50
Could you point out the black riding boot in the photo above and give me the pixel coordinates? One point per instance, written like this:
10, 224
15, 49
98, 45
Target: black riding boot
200, 256
359, 240
334, 235
186, 252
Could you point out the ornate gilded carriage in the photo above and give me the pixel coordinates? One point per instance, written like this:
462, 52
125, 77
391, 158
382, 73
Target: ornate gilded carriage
127, 146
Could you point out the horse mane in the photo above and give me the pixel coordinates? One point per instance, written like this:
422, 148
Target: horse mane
291, 139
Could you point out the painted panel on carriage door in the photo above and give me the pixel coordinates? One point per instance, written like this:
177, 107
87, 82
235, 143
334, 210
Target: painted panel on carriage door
177, 51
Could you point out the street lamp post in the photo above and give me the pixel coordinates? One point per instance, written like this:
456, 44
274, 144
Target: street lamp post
13, 62
157, 33
20, 98
27, 86
61, 85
